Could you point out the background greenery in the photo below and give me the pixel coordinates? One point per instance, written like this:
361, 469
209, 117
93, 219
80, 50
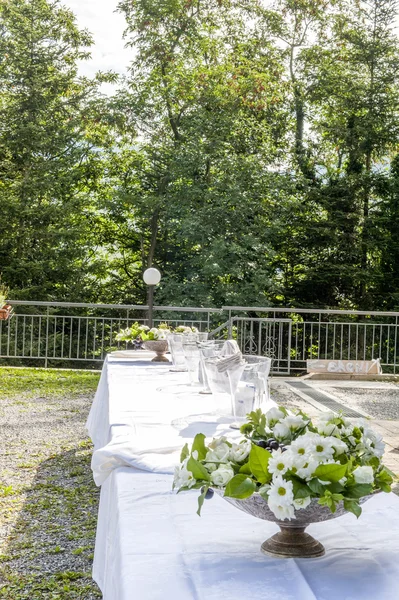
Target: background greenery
251, 153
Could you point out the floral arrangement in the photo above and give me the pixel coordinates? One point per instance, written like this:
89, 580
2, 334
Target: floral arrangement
185, 330
289, 460
3, 294
142, 333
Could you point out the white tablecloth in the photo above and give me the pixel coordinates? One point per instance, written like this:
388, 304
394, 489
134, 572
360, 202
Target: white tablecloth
151, 545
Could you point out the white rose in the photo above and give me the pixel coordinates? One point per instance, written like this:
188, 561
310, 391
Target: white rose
294, 422
281, 431
210, 467
363, 475
219, 454
273, 415
239, 452
222, 475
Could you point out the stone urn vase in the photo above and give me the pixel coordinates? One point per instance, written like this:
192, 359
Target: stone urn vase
291, 541
160, 347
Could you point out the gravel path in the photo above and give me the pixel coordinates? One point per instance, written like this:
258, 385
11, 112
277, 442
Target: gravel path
378, 403
48, 501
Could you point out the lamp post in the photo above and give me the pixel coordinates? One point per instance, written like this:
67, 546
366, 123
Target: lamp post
151, 277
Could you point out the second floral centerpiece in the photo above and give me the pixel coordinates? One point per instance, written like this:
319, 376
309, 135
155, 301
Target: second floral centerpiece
289, 470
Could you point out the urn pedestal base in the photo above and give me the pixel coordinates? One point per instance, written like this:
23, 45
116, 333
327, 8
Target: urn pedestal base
292, 542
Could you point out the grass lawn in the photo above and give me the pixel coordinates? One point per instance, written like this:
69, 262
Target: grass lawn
48, 501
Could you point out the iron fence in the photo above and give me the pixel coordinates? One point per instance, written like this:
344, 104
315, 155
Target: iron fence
321, 334
47, 332
68, 334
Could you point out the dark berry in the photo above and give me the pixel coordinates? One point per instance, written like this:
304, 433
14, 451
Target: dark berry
209, 493
283, 448
261, 444
274, 445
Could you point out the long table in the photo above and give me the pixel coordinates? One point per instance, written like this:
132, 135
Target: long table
151, 545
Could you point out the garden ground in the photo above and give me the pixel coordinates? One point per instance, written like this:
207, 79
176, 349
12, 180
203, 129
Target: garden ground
48, 501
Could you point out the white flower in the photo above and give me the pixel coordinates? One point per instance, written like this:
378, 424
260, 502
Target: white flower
329, 429
279, 463
281, 511
219, 454
294, 422
153, 330
217, 442
306, 469
281, 491
339, 446
363, 475
183, 477
222, 475
374, 443
302, 502
325, 417
161, 335
274, 415
144, 328
322, 448
281, 432
239, 452
301, 446
210, 467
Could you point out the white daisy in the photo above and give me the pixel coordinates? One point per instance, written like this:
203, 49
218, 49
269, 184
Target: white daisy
281, 491
322, 448
282, 511
301, 447
279, 463
307, 468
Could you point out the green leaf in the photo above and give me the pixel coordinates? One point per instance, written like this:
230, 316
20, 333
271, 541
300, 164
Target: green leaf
245, 469
317, 487
384, 480
352, 506
264, 491
374, 462
199, 446
184, 453
331, 472
358, 490
258, 461
240, 487
201, 499
198, 470
301, 490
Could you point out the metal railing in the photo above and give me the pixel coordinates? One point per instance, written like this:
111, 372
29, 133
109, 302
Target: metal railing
57, 333
47, 332
321, 334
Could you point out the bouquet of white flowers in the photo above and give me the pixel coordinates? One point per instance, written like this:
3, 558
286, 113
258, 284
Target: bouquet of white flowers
142, 333
288, 460
185, 330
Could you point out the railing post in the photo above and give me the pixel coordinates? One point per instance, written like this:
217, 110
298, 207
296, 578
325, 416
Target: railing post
47, 330
230, 328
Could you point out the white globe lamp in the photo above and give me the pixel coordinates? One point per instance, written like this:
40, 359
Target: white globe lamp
151, 277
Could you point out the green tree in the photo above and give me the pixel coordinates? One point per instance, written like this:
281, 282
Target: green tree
49, 159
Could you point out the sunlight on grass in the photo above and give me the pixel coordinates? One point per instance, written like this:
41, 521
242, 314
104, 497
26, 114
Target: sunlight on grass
34, 383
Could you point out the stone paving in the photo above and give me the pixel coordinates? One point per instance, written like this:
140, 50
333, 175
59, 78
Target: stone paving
377, 401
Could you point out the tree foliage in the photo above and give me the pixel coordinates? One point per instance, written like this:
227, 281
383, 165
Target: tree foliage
250, 153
